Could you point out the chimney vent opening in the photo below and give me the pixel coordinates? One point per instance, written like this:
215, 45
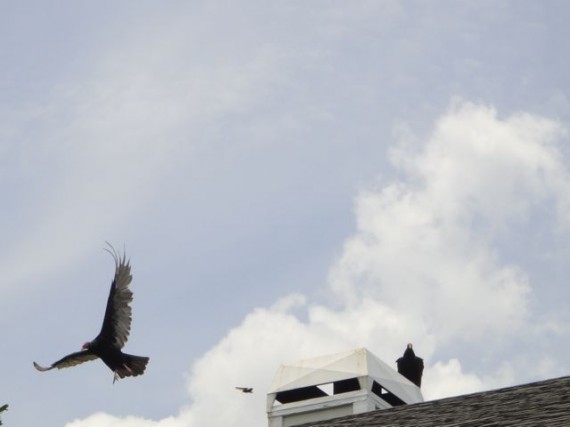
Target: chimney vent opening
312, 392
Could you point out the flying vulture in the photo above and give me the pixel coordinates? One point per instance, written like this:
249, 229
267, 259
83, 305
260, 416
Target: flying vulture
114, 332
245, 389
411, 366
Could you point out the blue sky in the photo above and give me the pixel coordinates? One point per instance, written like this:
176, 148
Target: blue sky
289, 180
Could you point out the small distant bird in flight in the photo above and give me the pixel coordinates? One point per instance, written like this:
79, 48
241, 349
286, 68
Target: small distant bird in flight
114, 332
411, 366
245, 389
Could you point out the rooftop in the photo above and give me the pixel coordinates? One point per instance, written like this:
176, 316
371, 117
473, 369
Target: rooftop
544, 403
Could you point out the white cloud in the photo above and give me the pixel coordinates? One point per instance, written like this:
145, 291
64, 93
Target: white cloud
448, 379
427, 244
105, 420
477, 165
422, 267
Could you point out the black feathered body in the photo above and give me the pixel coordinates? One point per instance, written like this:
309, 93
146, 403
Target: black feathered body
117, 326
114, 331
123, 364
411, 366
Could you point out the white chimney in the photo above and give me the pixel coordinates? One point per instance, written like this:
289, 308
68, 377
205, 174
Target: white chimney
336, 385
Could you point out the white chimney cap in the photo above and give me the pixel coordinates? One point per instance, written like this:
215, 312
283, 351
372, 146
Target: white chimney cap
341, 366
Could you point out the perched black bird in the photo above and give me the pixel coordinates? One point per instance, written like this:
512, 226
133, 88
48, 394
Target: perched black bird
411, 366
245, 389
114, 332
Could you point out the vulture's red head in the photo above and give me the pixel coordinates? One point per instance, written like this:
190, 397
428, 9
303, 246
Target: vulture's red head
85, 346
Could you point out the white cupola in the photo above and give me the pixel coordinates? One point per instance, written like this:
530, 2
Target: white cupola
336, 385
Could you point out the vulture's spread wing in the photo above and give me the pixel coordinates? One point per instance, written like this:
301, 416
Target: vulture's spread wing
117, 321
68, 361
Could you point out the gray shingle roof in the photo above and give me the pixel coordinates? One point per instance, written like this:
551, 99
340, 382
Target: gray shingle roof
544, 403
